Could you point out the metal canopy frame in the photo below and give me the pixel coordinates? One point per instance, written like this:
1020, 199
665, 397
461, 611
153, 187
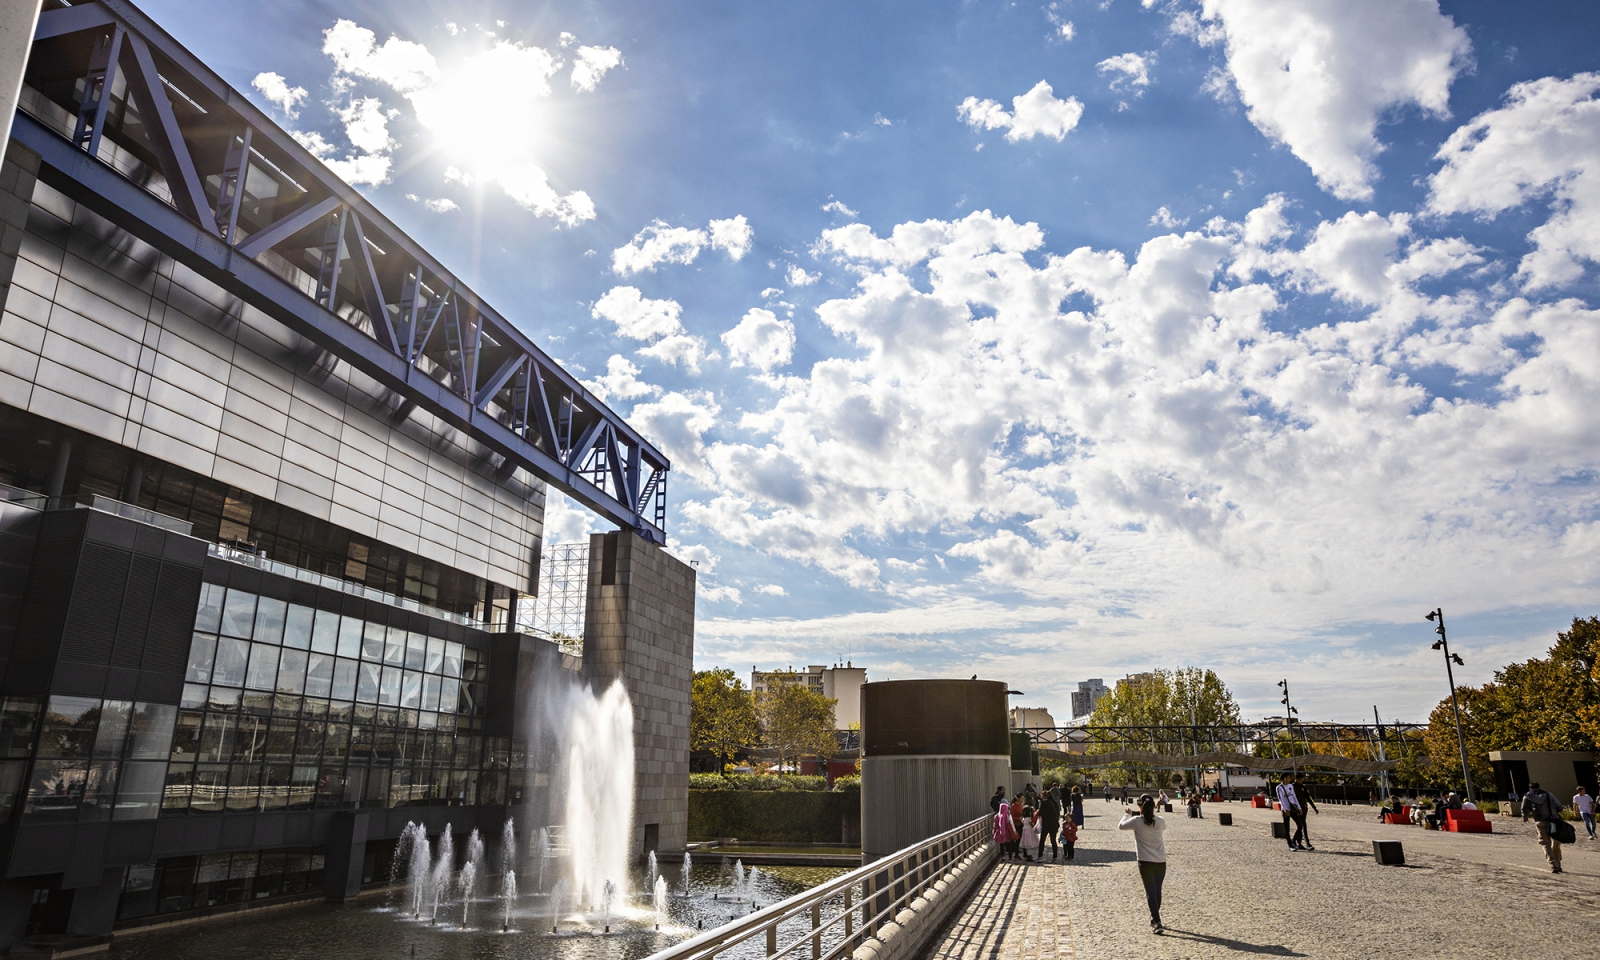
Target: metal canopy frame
1273, 735
249, 208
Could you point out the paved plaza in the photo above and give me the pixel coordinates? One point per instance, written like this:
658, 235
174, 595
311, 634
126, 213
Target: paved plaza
1234, 891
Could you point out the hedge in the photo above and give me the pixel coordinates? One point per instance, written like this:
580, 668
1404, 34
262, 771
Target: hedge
754, 781
774, 816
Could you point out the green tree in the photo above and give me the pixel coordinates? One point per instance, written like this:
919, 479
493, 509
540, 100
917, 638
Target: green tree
1188, 701
797, 721
722, 715
1546, 703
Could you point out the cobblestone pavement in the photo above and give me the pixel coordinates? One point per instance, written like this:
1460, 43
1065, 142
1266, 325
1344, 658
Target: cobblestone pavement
1233, 891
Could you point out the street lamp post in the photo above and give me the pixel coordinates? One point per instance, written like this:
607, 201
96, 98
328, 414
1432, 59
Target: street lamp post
1288, 721
1455, 706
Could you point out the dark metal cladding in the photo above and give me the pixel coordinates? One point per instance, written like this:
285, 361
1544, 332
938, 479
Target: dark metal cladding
919, 718
188, 165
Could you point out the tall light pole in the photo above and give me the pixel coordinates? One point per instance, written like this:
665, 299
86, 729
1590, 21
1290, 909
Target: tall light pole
1288, 721
1455, 706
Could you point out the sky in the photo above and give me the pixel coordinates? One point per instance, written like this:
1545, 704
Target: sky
1044, 341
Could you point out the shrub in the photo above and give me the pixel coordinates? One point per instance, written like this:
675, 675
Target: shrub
751, 781
847, 784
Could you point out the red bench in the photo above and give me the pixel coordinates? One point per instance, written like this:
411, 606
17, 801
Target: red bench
1403, 818
1259, 803
1467, 821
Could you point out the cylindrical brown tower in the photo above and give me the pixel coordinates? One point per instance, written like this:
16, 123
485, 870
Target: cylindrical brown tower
932, 754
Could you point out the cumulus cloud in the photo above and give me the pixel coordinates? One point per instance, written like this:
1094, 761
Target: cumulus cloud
498, 147
1318, 77
838, 206
1035, 113
797, 276
1163, 217
761, 339
679, 350
441, 205
621, 381
278, 92
659, 243
1543, 144
638, 317
591, 64
1133, 69
1154, 430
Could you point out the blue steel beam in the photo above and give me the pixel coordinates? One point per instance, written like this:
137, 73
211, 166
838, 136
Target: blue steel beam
101, 189
194, 233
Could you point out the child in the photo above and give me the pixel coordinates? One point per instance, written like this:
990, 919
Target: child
1030, 833
1069, 836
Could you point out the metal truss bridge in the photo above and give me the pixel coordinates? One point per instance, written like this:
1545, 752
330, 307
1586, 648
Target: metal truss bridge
134, 127
1267, 740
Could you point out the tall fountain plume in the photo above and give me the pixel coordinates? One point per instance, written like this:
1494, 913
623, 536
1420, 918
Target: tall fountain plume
508, 896
688, 865
543, 854
439, 882
468, 879
419, 866
599, 802
474, 847
650, 871
508, 846
659, 900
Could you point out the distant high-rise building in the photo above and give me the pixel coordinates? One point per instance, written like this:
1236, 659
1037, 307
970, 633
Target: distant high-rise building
1087, 695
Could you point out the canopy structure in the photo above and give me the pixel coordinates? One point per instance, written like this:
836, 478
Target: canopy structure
1219, 758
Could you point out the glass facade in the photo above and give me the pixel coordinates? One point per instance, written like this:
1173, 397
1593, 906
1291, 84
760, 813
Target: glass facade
176, 884
98, 760
290, 707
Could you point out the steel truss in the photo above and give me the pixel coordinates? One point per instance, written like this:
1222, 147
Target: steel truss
1270, 738
184, 162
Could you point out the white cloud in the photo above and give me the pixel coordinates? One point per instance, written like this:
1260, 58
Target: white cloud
366, 126
638, 317
680, 349
772, 590
838, 206
678, 423
880, 120
1543, 143
566, 521
796, 276
1163, 217
591, 64
1035, 113
278, 92
1134, 69
1318, 77
1174, 441
659, 243
495, 140
441, 205
621, 381
761, 339
732, 236
566, 39
1066, 31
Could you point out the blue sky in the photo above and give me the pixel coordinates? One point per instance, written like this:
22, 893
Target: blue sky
1040, 340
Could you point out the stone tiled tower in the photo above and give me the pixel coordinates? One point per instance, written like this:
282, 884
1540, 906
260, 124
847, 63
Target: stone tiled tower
640, 627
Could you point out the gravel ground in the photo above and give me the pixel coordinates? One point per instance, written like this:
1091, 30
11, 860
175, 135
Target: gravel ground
1234, 890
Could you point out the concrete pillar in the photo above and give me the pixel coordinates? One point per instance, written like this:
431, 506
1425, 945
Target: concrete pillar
932, 754
640, 627
58, 471
94, 908
347, 852
17, 21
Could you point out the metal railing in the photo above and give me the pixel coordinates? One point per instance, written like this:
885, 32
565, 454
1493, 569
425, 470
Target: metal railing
871, 895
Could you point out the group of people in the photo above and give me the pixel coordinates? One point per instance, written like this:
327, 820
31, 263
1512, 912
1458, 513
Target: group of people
1023, 823
1294, 799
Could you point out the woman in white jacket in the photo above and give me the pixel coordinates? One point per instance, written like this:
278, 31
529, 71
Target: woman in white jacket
1152, 852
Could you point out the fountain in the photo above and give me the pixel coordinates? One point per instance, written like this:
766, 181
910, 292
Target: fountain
738, 881
650, 871
508, 845
508, 896
469, 876
688, 864
660, 898
439, 881
606, 895
558, 897
599, 801
414, 841
543, 854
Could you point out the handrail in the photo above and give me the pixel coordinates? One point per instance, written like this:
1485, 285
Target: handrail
884, 886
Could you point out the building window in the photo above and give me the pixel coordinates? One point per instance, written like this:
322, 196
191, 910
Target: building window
100, 760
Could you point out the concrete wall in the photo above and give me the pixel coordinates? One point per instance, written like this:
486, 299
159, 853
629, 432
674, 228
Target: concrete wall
640, 627
905, 800
103, 333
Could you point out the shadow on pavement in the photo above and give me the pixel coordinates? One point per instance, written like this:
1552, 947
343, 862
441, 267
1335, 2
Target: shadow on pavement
1268, 949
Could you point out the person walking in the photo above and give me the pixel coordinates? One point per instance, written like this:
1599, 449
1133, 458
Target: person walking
1584, 804
1108, 791
1050, 822
1069, 838
1003, 833
1151, 853
1288, 805
1545, 809
1077, 807
998, 798
1124, 793
1302, 793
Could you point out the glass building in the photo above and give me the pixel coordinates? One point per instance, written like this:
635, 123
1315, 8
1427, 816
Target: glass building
272, 488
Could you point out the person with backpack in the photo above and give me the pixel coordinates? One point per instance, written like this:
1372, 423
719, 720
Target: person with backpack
1545, 809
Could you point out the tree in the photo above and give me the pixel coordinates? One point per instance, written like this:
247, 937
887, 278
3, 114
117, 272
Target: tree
1189, 701
798, 721
722, 715
1548, 703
